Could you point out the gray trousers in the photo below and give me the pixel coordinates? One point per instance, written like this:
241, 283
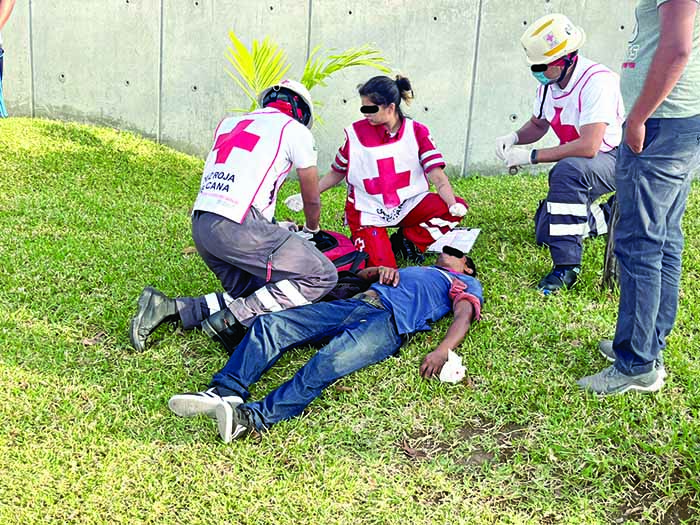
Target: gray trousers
263, 268
569, 214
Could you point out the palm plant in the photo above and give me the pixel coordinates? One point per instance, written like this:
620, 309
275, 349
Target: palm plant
266, 64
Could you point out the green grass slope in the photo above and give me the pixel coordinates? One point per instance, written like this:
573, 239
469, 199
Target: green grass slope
88, 216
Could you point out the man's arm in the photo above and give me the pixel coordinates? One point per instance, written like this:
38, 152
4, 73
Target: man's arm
308, 180
434, 361
382, 274
5, 11
587, 145
676, 20
532, 131
330, 179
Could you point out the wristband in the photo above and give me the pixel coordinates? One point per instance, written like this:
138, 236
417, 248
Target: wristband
533, 156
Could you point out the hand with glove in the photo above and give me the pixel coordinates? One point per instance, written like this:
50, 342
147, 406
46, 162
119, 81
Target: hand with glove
504, 143
518, 157
295, 202
288, 225
458, 209
324, 241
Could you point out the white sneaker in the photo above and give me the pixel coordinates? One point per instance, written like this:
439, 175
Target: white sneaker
195, 403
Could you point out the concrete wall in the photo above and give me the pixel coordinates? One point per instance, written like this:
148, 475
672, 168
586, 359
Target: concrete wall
157, 67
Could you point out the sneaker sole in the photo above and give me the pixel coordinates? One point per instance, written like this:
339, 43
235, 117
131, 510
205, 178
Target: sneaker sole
143, 301
224, 421
654, 387
185, 405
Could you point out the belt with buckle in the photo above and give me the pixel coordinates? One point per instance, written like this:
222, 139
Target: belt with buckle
370, 299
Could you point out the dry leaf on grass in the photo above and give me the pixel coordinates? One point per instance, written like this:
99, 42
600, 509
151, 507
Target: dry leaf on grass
412, 453
97, 339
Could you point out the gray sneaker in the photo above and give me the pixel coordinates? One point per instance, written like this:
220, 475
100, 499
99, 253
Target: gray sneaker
196, 403
612, 381
606, 350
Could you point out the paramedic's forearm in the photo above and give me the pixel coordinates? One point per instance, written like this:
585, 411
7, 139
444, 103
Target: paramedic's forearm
532, 131
330, 179
308, 180
442, 185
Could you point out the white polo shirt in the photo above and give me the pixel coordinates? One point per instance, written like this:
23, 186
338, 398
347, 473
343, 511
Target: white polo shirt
592, 96
250, 160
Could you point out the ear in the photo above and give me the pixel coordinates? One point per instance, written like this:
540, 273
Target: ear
467, 269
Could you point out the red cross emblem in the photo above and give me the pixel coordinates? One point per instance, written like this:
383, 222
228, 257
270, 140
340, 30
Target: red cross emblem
388, 182
565, 132
238, 137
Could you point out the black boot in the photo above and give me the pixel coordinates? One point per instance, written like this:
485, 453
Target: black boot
224, 328
405, 249
155, 309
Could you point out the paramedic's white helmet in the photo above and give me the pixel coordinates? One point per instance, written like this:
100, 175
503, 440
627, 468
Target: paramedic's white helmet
550, 38
291, 92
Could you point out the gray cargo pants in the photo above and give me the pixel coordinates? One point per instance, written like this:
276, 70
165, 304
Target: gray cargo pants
262, 267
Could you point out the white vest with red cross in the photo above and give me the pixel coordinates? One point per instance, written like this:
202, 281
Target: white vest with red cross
248, 163
591, 96
385, 181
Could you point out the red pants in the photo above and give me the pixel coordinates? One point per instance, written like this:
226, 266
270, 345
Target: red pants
426, 223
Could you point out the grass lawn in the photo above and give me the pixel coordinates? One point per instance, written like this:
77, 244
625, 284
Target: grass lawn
88, 216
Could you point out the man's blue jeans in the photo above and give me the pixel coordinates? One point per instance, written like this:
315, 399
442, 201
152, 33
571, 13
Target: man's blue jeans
652, 190
354, 333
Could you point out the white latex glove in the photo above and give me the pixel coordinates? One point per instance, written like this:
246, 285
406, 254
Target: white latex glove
458, 209
452, 371
307, 236
518, 157
288, 225
295, 202
504, 143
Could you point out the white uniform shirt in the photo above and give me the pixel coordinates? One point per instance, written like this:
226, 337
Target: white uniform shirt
250, 160
592, 96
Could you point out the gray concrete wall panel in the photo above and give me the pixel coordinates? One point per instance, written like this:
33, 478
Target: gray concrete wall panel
504, 87
158, 67
98, 61
17, 84
431, 43
196, 91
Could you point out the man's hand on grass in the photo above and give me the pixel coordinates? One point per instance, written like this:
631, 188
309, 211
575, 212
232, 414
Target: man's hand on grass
433, 363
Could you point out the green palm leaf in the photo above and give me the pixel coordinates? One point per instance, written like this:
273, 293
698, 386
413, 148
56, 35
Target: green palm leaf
318, 69
265, 64
254, 70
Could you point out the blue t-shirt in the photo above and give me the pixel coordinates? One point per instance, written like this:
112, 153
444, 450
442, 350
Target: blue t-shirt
422, 296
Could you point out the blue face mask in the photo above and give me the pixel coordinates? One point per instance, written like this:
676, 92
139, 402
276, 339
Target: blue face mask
541, 78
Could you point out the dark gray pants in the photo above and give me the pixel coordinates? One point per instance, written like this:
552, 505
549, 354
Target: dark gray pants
262, 267
569, 214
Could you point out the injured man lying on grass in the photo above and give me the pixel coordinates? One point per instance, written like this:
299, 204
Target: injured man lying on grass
350, 333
